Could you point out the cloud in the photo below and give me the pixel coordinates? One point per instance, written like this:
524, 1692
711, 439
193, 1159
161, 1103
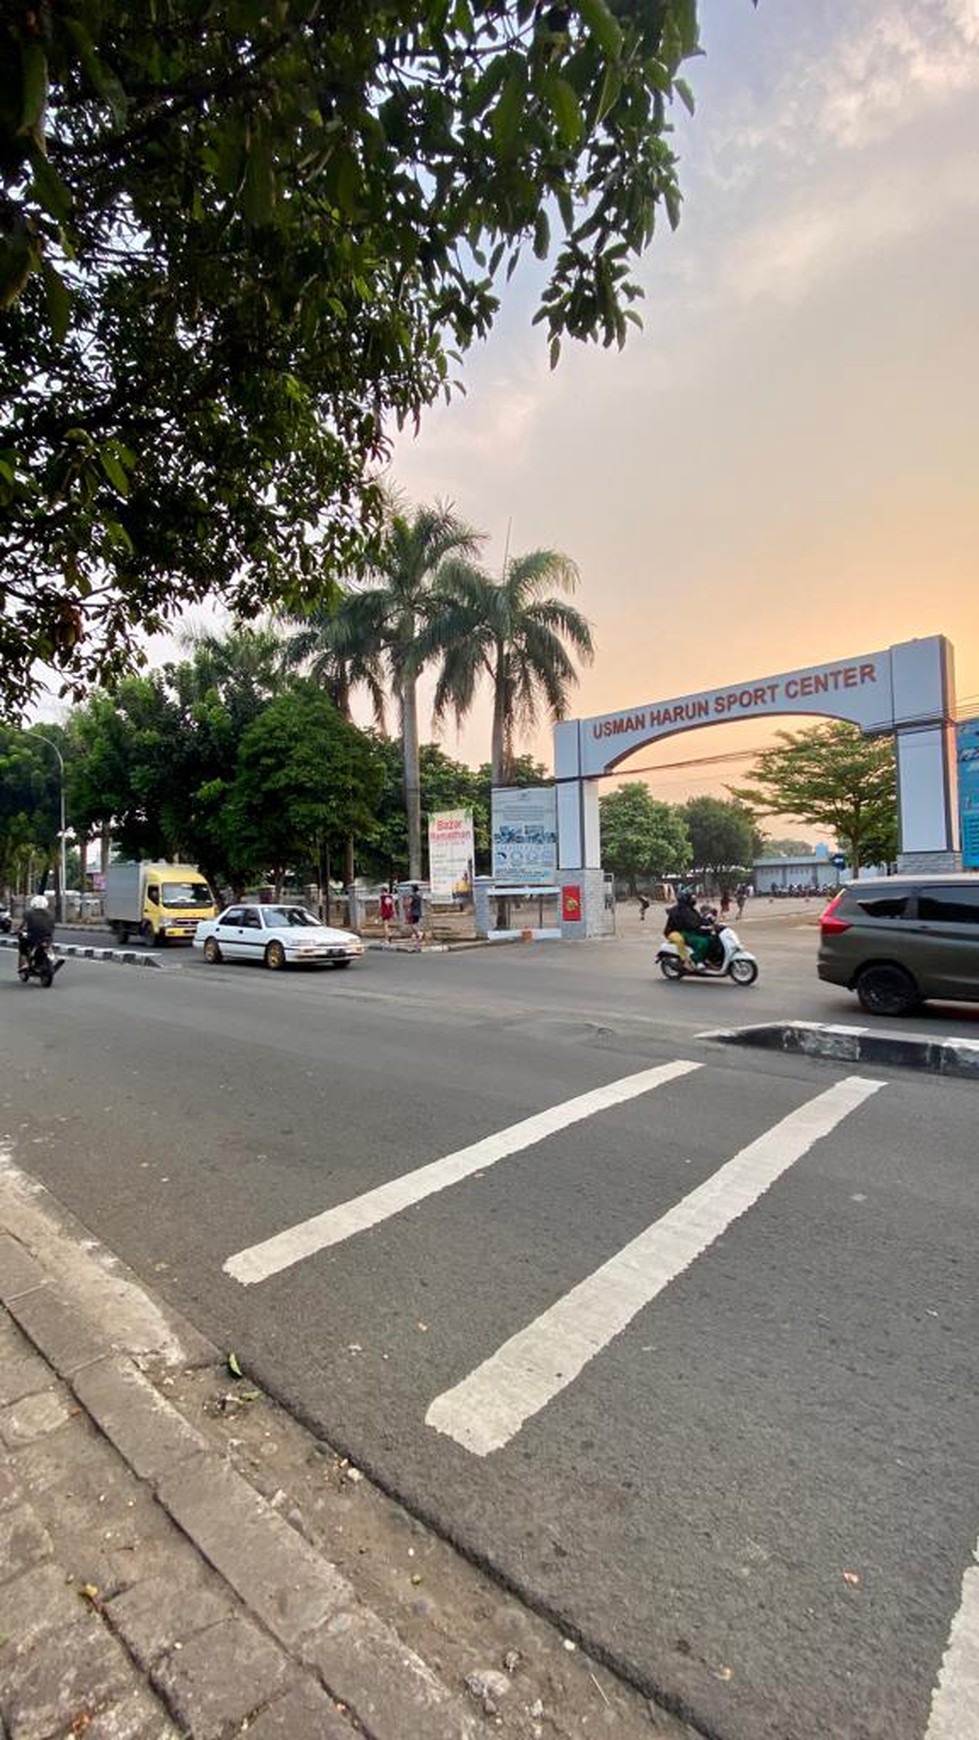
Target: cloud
816, 237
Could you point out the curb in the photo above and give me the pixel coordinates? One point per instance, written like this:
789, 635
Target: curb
303, 1605
91, 952
955, 1057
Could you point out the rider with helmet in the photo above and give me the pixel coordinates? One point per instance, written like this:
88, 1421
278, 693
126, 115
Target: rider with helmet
37, 927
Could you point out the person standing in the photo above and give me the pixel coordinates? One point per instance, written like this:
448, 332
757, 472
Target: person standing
415, 918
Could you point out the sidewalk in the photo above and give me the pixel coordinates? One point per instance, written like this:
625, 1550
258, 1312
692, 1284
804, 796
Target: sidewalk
151, 1590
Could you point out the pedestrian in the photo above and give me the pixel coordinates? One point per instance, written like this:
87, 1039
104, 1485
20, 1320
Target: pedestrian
725, 903
386, 906
741, 896
643, 905
414, 915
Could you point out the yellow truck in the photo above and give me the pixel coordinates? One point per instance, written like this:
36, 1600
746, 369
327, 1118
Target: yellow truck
160, 902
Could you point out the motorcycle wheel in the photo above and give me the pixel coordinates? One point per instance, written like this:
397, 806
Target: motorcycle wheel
46, 977
670, 967
23, 975
743, 972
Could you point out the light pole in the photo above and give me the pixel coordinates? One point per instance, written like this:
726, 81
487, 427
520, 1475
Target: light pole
61, 764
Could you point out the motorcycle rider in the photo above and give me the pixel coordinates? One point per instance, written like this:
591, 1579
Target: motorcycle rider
687, 930
37, 926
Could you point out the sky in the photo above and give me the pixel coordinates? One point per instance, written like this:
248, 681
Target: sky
782, 467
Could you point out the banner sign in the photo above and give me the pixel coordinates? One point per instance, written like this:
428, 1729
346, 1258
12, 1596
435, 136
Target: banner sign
967, 741
856, 689
525, 833
450, 854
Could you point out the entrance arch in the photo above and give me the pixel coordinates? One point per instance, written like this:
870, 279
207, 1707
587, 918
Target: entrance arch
907, 690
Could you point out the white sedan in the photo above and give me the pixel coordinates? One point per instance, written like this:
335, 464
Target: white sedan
278, 935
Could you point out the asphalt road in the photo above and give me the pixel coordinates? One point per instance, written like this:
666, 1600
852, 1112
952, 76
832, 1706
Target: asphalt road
727, 1437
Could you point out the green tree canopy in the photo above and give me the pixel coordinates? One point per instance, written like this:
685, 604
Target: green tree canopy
785, 848
515, 633
722, 833
831, 776
236, 240
306, 780
642, 836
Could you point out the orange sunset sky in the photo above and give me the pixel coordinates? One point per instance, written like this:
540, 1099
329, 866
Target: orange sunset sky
782, 468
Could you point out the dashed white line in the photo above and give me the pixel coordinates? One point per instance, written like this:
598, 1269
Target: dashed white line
335, 1225
485, 1410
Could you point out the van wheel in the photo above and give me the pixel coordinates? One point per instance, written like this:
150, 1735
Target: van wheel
887, 990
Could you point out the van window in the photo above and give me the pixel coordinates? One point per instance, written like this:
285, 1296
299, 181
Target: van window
949, 905
884, 905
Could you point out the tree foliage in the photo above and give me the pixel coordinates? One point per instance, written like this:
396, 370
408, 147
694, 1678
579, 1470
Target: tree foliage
236, 239
831, 776
722, 833
516, 634
642, 836
306, 780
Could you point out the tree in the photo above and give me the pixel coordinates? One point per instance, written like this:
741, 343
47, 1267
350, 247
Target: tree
510, 631
388, 616
722, 833
29, 803
306, 779
642, 836
831, 776
782, 848
444, 785
236, 241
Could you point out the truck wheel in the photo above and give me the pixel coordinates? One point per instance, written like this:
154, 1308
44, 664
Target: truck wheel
122, 933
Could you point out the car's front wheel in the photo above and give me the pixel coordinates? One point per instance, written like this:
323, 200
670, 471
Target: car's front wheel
343, 963
212, 953
275, 956
887, 989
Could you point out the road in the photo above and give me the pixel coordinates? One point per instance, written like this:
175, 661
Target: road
680, 1340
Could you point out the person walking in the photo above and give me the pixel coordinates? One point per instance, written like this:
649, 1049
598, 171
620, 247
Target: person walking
386, 908
414, 915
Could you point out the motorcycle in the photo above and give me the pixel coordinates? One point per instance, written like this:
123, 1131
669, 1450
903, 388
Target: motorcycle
724, 959
38, 963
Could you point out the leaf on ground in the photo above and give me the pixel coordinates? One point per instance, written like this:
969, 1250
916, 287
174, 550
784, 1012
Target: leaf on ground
233, 1366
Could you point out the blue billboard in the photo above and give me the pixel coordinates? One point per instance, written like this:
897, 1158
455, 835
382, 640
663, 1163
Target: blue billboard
968, 759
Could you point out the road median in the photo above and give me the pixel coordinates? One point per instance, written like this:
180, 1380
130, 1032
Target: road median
96, 952
841, 1044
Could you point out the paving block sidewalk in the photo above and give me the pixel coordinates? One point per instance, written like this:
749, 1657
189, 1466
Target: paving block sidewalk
147, 1590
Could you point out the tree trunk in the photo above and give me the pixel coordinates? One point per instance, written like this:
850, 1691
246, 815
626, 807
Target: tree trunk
350, 871
105, 845
323, 878
498, 752
413, 796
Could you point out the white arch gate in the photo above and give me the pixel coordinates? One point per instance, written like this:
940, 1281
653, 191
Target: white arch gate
908, 690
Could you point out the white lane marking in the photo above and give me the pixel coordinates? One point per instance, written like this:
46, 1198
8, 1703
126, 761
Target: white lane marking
485, 1410
955, 1700
260, 1261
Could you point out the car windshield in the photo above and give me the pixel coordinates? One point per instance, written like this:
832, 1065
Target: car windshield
186, 894
287, 917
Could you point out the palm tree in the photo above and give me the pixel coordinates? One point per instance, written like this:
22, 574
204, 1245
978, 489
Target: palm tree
511, 632
324, 646
387, 615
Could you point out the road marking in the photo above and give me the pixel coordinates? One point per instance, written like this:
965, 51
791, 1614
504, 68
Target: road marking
955, 1700
260, 1261
485, 1410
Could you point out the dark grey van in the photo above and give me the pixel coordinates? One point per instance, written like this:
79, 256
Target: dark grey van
902, 939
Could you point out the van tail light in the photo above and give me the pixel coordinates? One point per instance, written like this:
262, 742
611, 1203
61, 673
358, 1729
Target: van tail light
829, 924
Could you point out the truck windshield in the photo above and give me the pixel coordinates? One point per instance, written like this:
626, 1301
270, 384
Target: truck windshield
186, 894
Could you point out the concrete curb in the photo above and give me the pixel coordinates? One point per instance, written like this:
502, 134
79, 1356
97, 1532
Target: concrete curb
321, 1639
956, 1057
91, 952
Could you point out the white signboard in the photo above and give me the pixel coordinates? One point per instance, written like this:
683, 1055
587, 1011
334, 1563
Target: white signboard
525, 833
450, 853
855, 689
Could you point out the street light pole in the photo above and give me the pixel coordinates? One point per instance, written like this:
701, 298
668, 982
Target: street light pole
61, 764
